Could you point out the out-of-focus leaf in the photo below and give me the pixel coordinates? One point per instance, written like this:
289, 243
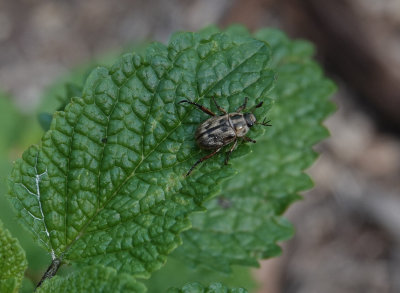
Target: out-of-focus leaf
71, 90
14, 131
12, 262
175, 274
212, 288
96, 279
45, 120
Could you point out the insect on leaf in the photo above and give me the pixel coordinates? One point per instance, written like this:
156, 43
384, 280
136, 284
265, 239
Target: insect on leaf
244, 223
106, 185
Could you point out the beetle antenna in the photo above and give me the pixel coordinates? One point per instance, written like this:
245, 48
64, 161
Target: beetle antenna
264, 123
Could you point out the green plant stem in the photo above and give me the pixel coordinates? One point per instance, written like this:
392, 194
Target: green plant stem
50, 272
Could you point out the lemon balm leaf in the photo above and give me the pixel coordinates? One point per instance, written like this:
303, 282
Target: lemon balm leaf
106, 185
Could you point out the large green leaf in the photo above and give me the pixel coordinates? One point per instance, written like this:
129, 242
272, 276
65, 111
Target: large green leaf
96, 279
212, 288
243, 224
107, 184
12, 262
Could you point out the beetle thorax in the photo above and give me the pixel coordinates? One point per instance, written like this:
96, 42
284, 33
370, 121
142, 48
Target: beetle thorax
239, 124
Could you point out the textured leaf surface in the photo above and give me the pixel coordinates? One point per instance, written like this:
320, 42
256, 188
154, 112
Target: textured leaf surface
176, 273
12, 262
94, 279
243, 224
212, 288
106, 185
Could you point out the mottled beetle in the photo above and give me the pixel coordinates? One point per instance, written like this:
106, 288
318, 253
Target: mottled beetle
219, 131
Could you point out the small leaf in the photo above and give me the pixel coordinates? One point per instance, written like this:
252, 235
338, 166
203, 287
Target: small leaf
71, 90
107, 184
45, 120
94, 279
12, 262
212, 288
244, 223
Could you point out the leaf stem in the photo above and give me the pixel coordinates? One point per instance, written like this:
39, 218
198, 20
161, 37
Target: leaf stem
50, 272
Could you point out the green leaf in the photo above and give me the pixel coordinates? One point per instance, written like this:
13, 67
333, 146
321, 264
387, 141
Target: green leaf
14, 131
107, 184
212, 288
71, 90
175, 274
12, 257
12, 262
10, 120
92, 279
58, 94
45, 120
243, 224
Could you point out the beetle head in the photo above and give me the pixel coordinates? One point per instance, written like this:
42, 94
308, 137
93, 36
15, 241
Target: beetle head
250, 119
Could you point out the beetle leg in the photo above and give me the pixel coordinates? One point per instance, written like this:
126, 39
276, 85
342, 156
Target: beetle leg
255, 107
219, 107
242, 107
230, 152
265, 122
258, 105
202, 160
202, 108
248, 139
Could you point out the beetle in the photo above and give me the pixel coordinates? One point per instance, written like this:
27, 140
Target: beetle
221, 130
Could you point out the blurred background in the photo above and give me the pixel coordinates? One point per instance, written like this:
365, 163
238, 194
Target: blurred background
348, 226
